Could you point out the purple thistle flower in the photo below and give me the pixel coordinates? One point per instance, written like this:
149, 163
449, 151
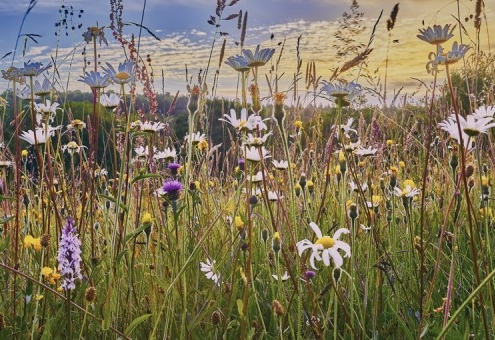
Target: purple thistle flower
172, 189
309, 274
69, 255
174, 168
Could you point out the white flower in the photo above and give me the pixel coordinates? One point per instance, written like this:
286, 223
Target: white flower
369, 151
141, 152
284, 277
168, 154
208, 269
484, 111
345, 128
273, 196
325, 247
407, 192
256, 141
250, 123
257, 178
47, 110
152, 126
280, 165
255, 154
354, 187
436, 35
471, 126
72, 147
196, 138
40, 136
110, 101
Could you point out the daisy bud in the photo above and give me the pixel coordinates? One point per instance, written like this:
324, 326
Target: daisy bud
336, 274
253, 200
485, 169
297, 189
276, 242
454, 161
302, 180
311, 186
264, 235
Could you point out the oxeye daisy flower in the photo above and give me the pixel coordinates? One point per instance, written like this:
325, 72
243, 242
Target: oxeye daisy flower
325, 247
238, 63
47, 110
406, 192
259, 57
196, 138
42, 89
280, 165
436, 35
123, 75
12, 73
96, 80
484, 112
152, 127
95, 32
33, 69
341, 89
72, 147
346, 128
284, 277
244, 122
365, 152
76, 124
255, 154
208, 268
141, 152
38, 136
167, 154
110, 101
255, 140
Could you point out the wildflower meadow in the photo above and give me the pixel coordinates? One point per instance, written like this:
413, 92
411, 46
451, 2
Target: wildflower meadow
313, 208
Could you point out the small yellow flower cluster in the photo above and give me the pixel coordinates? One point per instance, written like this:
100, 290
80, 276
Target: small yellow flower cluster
50, 275
31, 242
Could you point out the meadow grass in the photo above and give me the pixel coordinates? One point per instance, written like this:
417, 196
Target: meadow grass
349, 221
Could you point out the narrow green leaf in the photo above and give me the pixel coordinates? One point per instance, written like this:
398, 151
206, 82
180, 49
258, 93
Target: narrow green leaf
6, 219
240, 305
114, 201
140, 177
135, 323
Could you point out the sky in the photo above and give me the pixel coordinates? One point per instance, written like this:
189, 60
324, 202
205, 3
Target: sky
186, 38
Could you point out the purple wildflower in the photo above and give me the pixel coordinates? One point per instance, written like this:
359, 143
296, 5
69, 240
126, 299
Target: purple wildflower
309, 274
174, 168
241, 163
172, 189
69, 255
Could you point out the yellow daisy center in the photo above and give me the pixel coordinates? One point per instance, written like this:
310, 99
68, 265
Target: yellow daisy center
122, 76
326, 242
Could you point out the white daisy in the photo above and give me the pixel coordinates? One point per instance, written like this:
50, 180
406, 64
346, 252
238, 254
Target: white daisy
365, 152
255, 140
255, 154
325, 247
280, 165
208, 269
39, 136
284, 277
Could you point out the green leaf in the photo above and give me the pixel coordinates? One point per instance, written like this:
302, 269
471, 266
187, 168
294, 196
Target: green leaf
136, 322
140, 177
5, 243
6, 219
240, 305
114, 201
135, 233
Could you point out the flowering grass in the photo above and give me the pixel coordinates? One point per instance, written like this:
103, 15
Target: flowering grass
297, 226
